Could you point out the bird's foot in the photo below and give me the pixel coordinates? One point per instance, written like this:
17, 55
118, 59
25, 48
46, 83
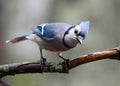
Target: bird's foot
42, 63
66, 65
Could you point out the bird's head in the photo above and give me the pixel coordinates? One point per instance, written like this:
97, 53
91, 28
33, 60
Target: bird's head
80, 31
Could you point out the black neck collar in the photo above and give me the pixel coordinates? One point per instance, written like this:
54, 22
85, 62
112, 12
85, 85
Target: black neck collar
64, 42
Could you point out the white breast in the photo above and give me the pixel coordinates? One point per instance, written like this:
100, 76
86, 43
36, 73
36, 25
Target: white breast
54, 45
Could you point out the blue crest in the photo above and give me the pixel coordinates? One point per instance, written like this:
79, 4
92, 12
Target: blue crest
84, 28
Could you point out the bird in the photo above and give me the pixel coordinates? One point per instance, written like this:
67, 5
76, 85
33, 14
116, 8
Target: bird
56, 37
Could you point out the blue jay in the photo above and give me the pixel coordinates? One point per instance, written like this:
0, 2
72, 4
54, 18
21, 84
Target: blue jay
56, 37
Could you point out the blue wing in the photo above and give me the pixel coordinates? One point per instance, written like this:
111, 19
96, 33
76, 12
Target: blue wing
44, 33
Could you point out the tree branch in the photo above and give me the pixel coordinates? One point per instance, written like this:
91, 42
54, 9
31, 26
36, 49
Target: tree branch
62, 67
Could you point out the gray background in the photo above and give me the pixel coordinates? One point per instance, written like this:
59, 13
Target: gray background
18, 17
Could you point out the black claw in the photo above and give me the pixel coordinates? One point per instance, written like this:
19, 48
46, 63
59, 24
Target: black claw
67, 62
66, 65
42, 61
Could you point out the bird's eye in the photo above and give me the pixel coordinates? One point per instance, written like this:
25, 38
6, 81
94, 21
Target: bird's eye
76, 32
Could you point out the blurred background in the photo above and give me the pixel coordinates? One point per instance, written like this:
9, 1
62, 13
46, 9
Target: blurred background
18, 17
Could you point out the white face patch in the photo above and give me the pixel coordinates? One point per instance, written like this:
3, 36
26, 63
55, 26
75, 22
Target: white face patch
78, 28
74, 32
71, 34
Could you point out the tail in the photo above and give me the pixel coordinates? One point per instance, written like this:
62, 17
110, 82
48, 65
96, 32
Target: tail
17, 39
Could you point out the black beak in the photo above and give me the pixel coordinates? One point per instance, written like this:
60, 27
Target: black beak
80, 39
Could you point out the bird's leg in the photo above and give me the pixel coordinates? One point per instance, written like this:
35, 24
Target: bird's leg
42, 59
60, 55
66, 62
